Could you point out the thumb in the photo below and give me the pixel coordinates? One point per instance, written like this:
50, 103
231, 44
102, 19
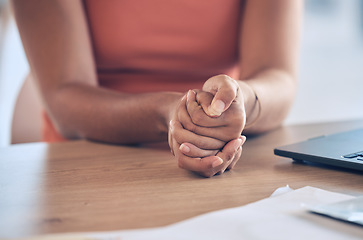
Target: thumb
224, 89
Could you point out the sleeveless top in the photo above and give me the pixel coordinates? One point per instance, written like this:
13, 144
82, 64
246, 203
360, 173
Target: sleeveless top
160, 45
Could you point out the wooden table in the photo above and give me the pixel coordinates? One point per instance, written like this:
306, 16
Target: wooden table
85, 186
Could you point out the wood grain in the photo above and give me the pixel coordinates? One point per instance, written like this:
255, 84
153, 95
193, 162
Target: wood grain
86, 186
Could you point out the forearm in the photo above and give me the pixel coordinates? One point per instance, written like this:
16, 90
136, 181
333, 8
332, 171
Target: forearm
269, 48
276, 90
83, 111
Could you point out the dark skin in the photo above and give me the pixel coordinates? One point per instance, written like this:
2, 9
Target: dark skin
193, 118
58, 46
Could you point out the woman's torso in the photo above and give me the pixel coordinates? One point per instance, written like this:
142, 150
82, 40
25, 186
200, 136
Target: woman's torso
162, 45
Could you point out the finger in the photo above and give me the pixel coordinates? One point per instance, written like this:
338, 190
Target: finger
193, 151
170, 141
238, 154
224, 89
207, 166
231, 122
225, 133
182, 135
223, 158
230, 151
204, 99
186, 162
228, 162
195, 113
171, 137
236, 159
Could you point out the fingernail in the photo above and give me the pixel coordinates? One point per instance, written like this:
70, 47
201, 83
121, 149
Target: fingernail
216, 108
243, 138
237, 143
184, 148
217, 163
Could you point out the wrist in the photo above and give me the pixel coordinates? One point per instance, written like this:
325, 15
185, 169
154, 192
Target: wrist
168, 107
251, 103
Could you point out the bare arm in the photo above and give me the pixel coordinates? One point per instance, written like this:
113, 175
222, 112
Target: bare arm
268, 63
268, 60
57, 43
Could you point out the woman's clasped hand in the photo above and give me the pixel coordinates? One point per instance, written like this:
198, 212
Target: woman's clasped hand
205, 129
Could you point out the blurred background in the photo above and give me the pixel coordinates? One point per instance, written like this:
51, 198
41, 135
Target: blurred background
330, 78
331, 62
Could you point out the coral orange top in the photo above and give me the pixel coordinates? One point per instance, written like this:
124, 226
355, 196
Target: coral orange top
160, 45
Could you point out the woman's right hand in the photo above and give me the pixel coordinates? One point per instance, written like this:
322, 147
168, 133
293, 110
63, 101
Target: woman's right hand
206, 156
225, 127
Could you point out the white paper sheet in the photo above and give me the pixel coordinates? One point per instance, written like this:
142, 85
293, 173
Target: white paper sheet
350, 210
279, 217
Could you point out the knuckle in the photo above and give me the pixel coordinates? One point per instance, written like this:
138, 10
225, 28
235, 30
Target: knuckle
228, 80
190, 126
213, 152
223, 77
197, 117
219, 144
180, 163
229, 155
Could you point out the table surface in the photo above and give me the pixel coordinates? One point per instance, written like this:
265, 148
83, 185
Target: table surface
82, 186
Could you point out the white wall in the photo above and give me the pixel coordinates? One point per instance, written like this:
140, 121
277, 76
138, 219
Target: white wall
331, 63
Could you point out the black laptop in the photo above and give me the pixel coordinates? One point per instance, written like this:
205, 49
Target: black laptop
341, 150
